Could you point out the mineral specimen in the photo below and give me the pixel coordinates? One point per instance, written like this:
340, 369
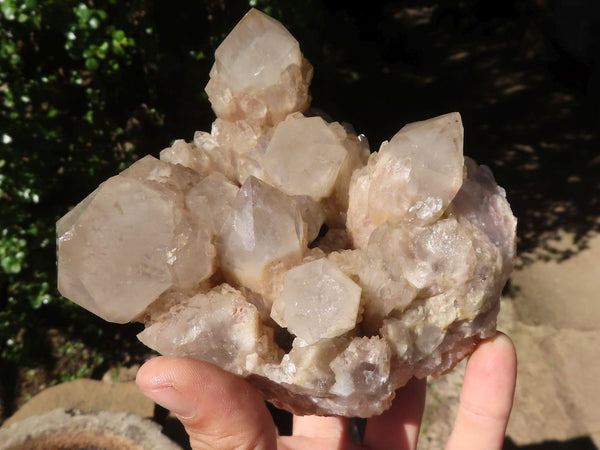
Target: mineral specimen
277, 248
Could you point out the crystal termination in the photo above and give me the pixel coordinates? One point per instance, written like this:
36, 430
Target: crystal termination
280, 249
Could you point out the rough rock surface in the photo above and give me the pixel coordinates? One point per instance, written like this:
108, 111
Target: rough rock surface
277, 248
74, 429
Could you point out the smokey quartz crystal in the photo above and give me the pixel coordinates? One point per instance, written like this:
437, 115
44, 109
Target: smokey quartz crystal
278, 248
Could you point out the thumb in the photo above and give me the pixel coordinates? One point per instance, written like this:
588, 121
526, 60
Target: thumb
217, 409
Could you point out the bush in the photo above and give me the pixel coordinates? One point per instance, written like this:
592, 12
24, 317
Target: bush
75, 101
86, 87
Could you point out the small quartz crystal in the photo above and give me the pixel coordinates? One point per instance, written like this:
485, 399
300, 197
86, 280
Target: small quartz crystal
277, 248
222, 316
304, 157
317, 301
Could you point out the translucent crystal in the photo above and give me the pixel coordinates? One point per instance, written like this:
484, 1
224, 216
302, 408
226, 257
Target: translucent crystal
141, 209
433, 150
259, 72
278, 249
278, 50
222, 316
308, 366
363, 366
312, 213
414, 177
212, 198
304, 157
264, 227
184, 154
318, 301
204, 156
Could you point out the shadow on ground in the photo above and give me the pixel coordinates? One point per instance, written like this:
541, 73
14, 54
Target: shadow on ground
580, 443
525, 104
527, 86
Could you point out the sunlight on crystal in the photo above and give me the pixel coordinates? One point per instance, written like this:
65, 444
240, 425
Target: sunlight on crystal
276, 247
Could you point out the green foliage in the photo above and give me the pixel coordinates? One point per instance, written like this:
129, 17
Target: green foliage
86, 87
66, 107
92, 359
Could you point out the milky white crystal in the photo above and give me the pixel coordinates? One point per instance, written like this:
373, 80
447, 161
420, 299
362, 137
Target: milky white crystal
276, 248
130, 241
304, 157
263, 228
259, 72
317, 301
224, 317
414, 176
212, 199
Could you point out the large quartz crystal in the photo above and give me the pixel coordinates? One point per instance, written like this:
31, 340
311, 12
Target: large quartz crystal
259, 72
276, 248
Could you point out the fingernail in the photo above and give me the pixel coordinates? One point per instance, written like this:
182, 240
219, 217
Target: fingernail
172, 400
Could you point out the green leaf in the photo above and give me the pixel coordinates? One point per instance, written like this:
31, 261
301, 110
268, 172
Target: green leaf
118, 35
92, 64
11, 264
102, 50
8, 10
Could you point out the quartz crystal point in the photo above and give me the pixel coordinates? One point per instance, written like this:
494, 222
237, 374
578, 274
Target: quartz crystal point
259, 72
277, 248
414, 176
131, 240
317, 301
263, 228
304, 157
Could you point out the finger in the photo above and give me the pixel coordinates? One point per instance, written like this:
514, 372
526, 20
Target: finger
320, 427
487, 396
217, 409
318, 433
398, 427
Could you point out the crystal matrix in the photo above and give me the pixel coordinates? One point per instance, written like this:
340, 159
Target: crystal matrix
277, 248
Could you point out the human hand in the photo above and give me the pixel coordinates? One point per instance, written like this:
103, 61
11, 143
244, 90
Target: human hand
222, 411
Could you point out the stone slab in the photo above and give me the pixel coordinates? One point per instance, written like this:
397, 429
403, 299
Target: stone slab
72, 429
562, 294
87, 395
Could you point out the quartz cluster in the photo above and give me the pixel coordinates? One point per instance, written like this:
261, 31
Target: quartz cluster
278, 248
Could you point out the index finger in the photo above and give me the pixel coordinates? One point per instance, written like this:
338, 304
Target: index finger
487, 396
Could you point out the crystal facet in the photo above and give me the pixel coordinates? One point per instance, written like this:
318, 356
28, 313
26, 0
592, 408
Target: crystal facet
140, 210
414, 176
304, 157
259, 72
263, 228
317, 301
278, 249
